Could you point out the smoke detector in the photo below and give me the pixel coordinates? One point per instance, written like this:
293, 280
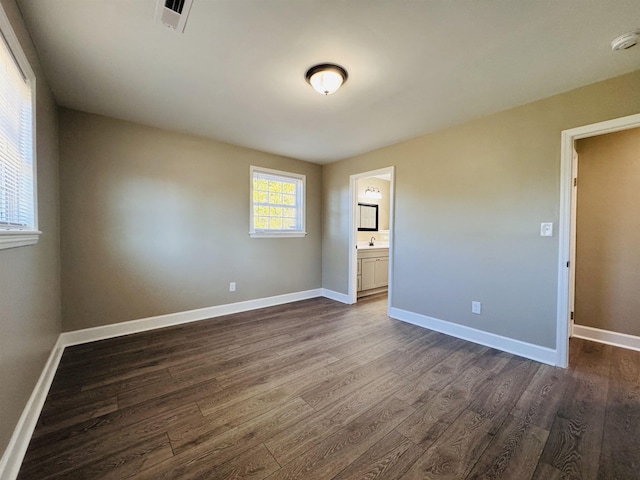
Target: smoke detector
625, 41
173, 13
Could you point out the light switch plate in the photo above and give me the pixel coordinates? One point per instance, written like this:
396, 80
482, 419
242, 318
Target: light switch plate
476, 307
546, 229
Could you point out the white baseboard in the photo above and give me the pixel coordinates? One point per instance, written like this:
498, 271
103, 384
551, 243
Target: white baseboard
510, 345
151, 323
14, 453
372, 291
616, 339
337, 296
17, 448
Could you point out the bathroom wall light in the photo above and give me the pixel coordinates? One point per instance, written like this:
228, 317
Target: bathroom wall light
326, 78
373, 192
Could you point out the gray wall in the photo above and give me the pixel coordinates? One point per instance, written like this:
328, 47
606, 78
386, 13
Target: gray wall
29, 276
608, 232
468, 207
156, 222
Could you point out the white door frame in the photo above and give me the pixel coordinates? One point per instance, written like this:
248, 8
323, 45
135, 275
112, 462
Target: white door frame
353, 233
567, 223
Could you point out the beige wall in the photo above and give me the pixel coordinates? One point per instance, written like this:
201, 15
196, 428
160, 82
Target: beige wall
29, 276
383, 205
469, 201
608, 232
156, 222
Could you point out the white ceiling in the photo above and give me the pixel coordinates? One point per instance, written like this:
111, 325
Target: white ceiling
237, 72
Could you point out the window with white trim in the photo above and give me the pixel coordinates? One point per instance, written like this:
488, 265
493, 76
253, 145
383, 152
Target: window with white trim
18, 207
277, 203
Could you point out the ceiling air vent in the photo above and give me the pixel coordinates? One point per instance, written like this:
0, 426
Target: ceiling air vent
173, 13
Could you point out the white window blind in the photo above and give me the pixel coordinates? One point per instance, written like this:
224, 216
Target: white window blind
17, 202
277, 203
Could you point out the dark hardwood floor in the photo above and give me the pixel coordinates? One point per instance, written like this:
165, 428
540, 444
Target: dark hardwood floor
321, 390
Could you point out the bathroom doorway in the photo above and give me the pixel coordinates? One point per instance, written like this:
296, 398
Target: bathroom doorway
371, 233
567, 235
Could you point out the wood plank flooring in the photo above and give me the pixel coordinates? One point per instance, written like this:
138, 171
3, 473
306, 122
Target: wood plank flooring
320, 390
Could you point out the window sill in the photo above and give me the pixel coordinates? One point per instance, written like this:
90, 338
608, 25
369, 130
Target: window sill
277, 234
10, 239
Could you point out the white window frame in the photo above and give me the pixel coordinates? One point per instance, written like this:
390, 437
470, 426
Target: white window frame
302, 208
19, 237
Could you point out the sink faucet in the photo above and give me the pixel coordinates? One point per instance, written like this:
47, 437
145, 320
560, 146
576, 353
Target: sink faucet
371, 241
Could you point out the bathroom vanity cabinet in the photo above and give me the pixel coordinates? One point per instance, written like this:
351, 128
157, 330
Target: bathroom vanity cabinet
373, 270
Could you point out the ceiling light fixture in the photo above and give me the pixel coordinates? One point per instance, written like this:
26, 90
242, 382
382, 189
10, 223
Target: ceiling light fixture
326, 78
626, 40
373, 192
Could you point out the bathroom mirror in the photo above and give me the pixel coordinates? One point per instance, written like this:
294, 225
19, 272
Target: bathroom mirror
367, 217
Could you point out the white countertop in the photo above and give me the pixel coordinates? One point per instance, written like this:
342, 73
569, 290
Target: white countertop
366, 246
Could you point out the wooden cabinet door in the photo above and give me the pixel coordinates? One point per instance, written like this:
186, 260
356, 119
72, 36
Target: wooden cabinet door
381, 272
368, 273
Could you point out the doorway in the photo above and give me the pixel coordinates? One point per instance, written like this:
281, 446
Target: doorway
370, 213
568, 222
607, 269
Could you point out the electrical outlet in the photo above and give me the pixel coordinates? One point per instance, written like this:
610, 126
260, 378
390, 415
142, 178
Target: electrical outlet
232, 286
476, 307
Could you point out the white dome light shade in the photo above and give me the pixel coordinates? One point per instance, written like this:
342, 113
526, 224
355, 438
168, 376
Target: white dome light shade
326, 78
326, 82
